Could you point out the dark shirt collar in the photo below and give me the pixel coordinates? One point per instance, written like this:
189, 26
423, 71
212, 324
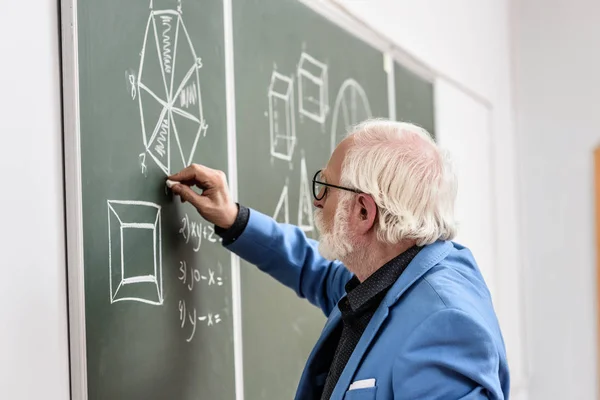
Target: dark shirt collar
357, 309
375, 286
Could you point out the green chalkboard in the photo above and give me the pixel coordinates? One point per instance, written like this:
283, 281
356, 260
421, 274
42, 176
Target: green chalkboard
414, 99
150, 95
158, 315
300, 81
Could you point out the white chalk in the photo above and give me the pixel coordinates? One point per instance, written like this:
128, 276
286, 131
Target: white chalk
171, 183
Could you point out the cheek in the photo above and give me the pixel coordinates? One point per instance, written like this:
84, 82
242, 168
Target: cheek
328, 215
323, 221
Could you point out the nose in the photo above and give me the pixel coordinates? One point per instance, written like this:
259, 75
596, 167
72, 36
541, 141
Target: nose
318, 203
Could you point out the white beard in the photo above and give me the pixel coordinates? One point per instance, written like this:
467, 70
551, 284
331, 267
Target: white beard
335, 244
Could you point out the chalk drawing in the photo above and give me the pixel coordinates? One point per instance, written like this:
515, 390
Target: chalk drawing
138, 220
305, 215
282, 126
185, 316
282, 210
351, 107
313, 97
168, 57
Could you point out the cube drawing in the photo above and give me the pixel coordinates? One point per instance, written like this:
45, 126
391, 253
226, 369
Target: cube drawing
281, 116
134, 252
313, 88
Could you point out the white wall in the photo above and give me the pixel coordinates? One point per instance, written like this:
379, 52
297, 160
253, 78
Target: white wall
33, 317
469, 142
557, 81
467, 43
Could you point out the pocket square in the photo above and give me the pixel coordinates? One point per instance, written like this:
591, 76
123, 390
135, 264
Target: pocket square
362, 384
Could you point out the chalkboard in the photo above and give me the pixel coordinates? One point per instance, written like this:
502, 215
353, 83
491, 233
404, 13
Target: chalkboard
158, 308
414, 99
299, 85
157, 280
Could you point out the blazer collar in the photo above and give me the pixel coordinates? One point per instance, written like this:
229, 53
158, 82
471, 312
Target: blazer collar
428, 257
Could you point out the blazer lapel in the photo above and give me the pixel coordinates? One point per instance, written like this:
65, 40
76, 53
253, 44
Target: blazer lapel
332, 321
423, 262
307, 375
344, 381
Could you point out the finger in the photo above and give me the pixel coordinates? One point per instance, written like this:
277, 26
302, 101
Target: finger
194, 173
178, 187
178, 193
188, 194
171, 183
186, 174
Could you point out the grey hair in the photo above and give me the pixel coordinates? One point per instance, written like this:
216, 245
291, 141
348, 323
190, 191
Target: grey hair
408, 175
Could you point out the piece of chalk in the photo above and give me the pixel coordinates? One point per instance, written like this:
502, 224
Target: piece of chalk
171, 183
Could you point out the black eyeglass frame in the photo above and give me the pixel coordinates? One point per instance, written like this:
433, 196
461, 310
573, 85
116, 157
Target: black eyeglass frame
314, 189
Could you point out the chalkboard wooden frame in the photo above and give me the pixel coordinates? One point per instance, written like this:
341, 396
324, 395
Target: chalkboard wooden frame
333, 10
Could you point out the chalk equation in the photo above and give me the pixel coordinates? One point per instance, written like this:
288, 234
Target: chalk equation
192, 278
196, 276
194, 232
188, 317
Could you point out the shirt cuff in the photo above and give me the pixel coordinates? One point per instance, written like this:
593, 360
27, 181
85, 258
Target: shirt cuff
231, 234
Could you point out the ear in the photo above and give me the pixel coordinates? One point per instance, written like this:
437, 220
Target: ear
365, 213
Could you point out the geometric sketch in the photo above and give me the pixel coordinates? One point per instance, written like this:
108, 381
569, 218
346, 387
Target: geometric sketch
170, 99
305, 215
351, 107
283, 203
312, 88
134, 252
281, 116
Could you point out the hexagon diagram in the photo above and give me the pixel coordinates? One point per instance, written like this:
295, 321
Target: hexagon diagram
170, 98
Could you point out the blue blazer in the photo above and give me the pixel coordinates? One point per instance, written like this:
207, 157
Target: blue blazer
435, 335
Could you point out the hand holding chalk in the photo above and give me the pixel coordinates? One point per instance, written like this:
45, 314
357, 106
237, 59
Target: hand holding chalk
215, 203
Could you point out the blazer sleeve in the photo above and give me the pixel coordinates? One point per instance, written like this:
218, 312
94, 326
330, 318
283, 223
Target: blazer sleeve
449, 356
284, 252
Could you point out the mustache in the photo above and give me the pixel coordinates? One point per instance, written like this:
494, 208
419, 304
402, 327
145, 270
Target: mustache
318, 219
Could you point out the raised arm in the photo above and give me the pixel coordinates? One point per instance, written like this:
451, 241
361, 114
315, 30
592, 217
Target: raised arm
283, 251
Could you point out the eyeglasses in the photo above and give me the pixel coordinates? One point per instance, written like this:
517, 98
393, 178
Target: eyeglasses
320, 186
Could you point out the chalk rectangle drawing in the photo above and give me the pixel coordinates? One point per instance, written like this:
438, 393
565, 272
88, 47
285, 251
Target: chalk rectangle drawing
281, 116
313, 88
135, 252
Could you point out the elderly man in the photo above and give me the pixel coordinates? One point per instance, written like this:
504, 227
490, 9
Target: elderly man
409, 313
